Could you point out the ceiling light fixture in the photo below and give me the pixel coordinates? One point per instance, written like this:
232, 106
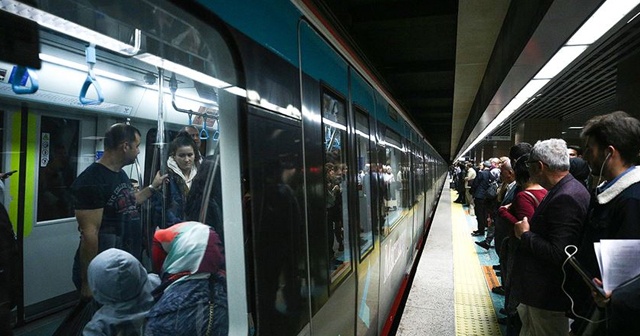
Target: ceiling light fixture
83, 67
607, 15
69, 28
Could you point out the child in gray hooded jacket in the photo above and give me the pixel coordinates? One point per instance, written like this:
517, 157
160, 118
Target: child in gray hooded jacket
122, 286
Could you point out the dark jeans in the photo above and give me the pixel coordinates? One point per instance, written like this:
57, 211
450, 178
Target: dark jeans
481, 213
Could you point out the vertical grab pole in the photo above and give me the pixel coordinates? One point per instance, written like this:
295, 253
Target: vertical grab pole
160, 142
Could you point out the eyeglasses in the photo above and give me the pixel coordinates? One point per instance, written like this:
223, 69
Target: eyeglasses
528, 163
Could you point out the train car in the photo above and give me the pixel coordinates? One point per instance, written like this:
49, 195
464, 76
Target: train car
323, 188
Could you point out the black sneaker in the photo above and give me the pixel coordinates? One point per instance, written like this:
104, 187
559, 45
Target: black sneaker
477, 233
483, 244
498, 290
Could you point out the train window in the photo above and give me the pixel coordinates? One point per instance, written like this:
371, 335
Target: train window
334, 119
363, 153
394, 175
2, 161
57, 167
162, 69
275, 164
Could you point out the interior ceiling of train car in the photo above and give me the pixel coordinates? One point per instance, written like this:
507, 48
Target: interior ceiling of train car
454, 65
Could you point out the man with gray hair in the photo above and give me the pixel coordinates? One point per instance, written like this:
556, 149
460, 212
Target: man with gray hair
557, 222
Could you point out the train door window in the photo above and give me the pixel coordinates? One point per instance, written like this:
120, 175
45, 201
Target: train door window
393, 177
162, 66
363, 153
334, 120
275, 165
57, 167
2, 160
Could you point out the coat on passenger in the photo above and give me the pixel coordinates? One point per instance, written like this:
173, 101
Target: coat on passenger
176, 197
480, 184
189, 257
557, 222
615, 214
123, 288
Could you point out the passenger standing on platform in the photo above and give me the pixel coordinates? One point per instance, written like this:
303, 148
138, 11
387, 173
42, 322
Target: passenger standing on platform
574, 151
579, 168
106, 204
505, 196
527, 199
612, 147
492, 205
479, 191
557, 222
468, 181
460, 183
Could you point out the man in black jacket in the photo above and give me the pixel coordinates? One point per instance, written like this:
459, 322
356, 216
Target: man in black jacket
479, 192
613, 143
556, 223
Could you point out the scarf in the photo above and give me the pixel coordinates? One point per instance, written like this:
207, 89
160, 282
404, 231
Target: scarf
173, 165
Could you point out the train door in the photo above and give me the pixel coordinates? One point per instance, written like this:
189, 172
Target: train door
329, 182
161, 68
368, 247
45, 148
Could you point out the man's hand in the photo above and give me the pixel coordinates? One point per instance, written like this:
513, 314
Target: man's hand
600, 301
158, 180
521, 227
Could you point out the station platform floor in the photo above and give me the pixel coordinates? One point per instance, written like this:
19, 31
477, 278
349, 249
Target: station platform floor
451, 290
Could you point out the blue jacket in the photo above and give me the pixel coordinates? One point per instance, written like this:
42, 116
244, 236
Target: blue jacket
480, 184
176, 199
557, 222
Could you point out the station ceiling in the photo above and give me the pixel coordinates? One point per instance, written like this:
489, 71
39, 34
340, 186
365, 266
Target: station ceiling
453, 65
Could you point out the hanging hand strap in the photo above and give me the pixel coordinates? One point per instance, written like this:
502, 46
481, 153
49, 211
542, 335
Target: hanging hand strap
19, 77
91, 79
216, 134
204, 134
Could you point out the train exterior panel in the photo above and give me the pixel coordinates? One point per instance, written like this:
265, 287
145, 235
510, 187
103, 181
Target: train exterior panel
324, 190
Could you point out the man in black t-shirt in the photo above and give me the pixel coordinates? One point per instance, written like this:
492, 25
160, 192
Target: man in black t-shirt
106, 203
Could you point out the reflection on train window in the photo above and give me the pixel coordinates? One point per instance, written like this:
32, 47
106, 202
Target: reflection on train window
394, 180
363, 153
57, 167
334, 121
418, 169
276, 200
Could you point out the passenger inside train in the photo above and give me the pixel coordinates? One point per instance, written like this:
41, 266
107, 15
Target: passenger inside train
182, 169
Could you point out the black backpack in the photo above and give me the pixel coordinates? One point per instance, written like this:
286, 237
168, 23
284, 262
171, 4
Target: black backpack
492, 189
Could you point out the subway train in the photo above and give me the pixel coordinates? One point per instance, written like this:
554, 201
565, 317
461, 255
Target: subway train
325, 188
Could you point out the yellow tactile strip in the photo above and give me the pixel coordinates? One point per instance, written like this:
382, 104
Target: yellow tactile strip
474, 310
